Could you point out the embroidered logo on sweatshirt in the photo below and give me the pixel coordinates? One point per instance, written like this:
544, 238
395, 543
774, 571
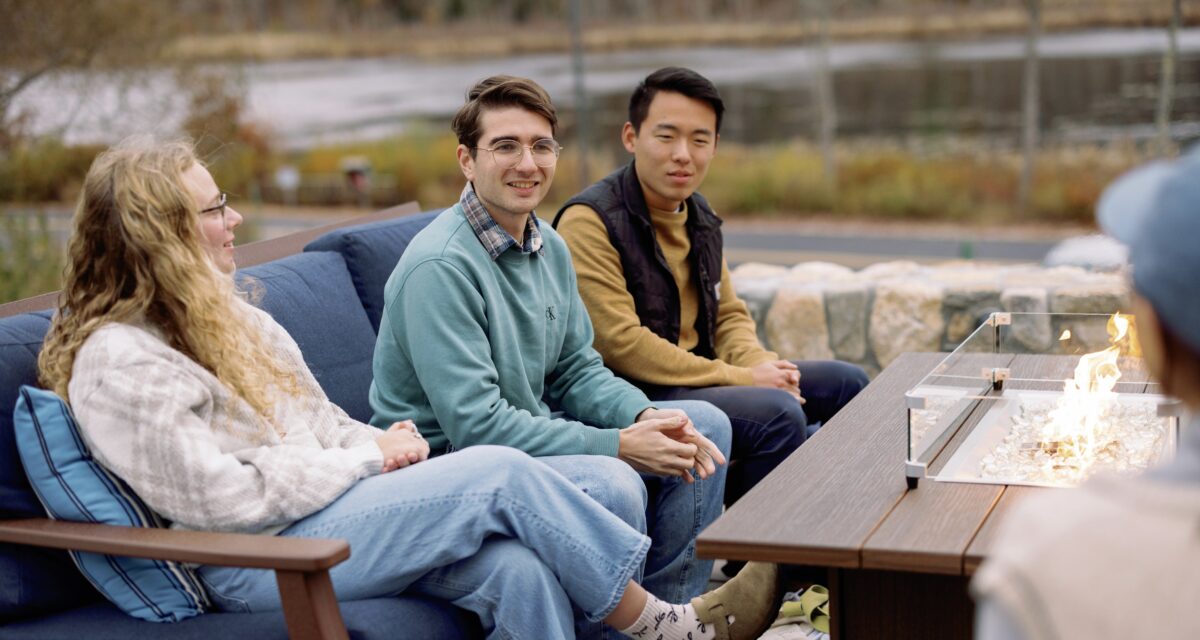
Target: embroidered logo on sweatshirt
550, 314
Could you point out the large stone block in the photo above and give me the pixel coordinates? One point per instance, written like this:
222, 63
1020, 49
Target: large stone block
821, 273
966, 274
757, 271
881, 271
1102, 295
906, 316
1035, 276
796, 327
964, 306
1030, 330
756, 284
846, 307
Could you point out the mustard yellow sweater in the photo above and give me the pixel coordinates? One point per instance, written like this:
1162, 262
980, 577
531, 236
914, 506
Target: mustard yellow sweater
631, 349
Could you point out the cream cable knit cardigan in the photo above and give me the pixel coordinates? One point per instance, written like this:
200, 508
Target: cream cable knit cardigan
198, 455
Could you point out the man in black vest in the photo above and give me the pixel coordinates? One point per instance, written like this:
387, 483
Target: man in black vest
648, 253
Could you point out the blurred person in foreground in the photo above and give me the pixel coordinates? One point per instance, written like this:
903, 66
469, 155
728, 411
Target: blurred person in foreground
203, 404
1119, 557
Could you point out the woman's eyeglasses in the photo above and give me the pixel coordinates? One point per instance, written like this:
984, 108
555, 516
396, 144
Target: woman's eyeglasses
219, 207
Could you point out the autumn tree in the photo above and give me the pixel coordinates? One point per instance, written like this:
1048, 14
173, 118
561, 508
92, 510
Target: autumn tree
38, 38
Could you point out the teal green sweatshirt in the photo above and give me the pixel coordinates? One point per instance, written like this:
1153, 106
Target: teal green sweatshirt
467, 347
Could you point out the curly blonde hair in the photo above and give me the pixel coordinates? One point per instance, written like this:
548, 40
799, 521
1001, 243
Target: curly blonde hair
136, 255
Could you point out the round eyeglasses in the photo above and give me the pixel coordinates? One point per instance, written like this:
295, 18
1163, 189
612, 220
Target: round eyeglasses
508, 153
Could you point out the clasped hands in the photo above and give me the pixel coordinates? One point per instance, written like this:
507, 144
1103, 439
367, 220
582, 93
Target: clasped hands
666, 443
402, 445
778, 374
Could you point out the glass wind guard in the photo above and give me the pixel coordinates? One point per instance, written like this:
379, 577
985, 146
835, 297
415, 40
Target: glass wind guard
1040, 399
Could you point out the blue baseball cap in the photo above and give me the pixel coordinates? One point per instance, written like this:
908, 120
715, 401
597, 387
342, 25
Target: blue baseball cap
1155, 211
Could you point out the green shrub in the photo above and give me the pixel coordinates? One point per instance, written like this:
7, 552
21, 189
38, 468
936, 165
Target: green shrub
44, 169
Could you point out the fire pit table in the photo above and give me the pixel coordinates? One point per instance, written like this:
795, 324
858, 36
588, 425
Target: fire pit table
866, 504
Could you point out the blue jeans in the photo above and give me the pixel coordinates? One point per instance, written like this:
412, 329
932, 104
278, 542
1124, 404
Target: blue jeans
671, 511
768, 424
488, 528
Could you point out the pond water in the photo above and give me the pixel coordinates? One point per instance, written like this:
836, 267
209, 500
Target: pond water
1095, 85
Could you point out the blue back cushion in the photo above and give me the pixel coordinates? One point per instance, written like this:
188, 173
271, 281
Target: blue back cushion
311, 295
371, 252
72, 486
20, 341
33, 580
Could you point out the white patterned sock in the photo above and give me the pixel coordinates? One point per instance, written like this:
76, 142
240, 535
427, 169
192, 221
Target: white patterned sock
664, 621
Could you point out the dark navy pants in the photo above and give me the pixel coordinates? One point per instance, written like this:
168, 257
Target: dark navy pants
769, 424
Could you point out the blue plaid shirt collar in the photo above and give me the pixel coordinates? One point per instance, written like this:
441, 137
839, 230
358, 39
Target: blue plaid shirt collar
491, 235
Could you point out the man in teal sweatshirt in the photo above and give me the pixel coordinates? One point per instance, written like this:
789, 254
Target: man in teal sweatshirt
484, 340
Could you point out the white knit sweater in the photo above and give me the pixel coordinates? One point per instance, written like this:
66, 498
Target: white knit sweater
197, 454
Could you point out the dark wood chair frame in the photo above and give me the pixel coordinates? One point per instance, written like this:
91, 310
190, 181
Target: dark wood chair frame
301, 565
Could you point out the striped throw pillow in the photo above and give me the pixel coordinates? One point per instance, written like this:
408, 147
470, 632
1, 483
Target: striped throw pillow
73, 486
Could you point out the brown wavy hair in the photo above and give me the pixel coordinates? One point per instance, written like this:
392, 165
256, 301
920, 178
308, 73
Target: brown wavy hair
135, 254
499, 92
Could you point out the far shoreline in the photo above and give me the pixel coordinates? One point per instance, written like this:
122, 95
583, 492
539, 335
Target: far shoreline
459, 41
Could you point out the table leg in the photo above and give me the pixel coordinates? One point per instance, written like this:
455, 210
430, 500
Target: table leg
869, 603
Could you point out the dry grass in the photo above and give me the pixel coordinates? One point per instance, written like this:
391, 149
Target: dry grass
955, 180
31, 261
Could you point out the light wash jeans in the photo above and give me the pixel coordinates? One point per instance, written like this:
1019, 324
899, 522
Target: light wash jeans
671, 511
488, 528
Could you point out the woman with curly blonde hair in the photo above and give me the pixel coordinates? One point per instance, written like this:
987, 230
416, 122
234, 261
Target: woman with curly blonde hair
115, 272
204, 406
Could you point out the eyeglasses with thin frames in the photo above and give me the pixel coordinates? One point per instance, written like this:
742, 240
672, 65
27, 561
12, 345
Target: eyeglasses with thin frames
219, 207
508, 153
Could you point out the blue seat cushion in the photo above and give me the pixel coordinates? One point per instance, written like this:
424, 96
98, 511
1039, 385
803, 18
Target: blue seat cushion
382, 618
74, 487
33, 581
371, 252
312, 297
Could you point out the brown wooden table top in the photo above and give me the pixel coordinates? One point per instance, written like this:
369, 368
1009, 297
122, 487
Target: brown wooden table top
841, 500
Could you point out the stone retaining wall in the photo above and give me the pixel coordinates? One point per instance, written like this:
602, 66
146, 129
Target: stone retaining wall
818, 310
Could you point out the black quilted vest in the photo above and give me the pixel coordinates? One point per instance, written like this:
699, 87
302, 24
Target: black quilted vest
619, 201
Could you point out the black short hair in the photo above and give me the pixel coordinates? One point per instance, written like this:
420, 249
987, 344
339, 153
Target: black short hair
677, 79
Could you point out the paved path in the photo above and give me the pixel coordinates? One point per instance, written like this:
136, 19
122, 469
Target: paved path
859, 249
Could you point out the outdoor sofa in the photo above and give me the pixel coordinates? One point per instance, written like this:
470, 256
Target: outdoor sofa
326, 288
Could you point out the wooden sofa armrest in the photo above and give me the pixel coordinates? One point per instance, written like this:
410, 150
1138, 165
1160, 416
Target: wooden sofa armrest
301, 564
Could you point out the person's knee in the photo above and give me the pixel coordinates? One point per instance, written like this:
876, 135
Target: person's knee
619, 489
710, 421
847, 378
784, 422
854, 378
